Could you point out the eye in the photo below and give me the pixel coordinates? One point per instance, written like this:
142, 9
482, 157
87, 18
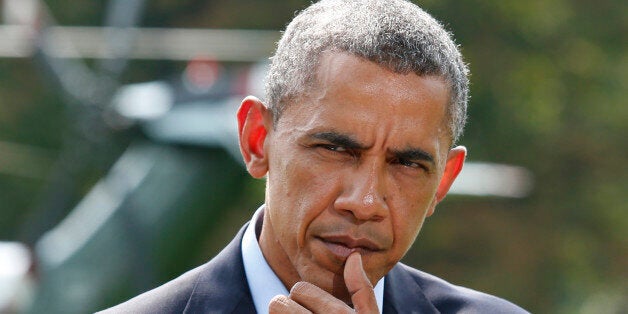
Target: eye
410, 164
334, 148
335, 152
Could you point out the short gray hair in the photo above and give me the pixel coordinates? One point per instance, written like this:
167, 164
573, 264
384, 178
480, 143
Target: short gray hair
393, 33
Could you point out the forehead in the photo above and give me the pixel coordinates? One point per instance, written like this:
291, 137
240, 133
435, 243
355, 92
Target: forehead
367, 100
335, 70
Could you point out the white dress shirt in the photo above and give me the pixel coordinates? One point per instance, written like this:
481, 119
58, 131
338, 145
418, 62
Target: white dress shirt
263, 282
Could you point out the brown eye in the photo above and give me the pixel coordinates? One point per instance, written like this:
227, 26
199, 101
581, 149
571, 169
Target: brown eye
334, 148
410, 164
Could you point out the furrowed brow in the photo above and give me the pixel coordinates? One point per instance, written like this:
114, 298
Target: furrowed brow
343, 140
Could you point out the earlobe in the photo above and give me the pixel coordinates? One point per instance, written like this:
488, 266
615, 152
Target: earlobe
455, 161
252, 131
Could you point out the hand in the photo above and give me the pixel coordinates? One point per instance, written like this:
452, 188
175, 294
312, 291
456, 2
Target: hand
307, 298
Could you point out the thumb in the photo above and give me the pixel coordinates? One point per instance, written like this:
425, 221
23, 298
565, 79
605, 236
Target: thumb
359, 285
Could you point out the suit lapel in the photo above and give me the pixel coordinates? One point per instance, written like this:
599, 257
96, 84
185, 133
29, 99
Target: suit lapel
402, 294
222, 285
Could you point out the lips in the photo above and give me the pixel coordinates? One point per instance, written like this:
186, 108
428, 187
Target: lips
343, 245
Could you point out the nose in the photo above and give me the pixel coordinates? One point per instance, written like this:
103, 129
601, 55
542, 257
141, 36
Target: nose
364, 194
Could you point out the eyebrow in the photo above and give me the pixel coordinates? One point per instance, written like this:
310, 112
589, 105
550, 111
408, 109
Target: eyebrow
339, 139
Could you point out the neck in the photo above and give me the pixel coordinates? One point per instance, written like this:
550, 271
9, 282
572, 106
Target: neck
276, 256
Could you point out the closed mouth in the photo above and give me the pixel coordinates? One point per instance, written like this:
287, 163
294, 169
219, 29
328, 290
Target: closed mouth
343, 246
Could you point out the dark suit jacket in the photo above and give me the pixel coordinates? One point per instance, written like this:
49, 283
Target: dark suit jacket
220, 286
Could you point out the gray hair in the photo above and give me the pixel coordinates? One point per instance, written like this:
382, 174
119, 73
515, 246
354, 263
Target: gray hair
395, 34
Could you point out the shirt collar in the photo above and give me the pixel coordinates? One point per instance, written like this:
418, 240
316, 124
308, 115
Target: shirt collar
263, 282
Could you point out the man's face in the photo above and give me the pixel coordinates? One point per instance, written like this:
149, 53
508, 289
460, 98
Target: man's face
355, 165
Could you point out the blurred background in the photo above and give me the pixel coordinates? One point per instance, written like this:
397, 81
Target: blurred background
119, 169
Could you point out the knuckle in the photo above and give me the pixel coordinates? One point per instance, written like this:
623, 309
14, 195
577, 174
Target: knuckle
300, 288
278, 304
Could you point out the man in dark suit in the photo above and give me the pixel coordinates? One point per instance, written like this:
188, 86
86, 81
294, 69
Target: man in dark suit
365, 101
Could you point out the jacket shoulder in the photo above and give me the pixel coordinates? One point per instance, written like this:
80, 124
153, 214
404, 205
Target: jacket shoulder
450, 298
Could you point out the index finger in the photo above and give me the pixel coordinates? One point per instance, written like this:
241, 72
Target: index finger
359, 285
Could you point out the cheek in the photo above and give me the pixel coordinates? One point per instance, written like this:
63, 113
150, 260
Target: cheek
299, 194
411, 227
408, 219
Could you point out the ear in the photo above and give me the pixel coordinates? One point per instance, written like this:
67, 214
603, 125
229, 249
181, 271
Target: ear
455, 161
253, 124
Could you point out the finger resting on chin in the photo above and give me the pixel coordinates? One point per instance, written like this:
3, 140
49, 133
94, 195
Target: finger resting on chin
354, 274
283, 304
359, 286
